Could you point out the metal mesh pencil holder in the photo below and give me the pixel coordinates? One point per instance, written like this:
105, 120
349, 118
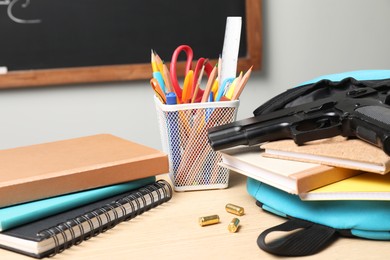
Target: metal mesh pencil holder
193, 164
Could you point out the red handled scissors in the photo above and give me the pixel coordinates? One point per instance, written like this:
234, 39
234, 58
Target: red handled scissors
188, 64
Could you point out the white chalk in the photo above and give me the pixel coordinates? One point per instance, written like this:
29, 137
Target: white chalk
3, 70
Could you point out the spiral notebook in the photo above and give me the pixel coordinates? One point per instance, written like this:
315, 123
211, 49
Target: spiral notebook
20, 214
52, 235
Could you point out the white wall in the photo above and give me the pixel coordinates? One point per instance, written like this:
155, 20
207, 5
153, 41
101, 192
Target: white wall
302, 39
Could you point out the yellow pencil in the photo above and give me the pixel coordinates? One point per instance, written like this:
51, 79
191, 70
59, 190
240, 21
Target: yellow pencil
214, 88
159, 62
153, 62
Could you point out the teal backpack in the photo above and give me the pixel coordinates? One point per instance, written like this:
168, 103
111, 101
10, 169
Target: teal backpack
320, 222
316, 224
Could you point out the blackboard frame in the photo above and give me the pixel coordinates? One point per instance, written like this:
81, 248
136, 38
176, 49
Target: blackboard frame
110, 73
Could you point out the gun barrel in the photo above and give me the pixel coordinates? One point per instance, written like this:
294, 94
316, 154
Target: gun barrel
227, 136
249, 131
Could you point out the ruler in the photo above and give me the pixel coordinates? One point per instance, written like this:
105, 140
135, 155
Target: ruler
231, 46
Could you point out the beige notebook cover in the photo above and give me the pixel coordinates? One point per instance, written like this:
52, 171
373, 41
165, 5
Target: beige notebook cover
337, 151
291, 176
44, 170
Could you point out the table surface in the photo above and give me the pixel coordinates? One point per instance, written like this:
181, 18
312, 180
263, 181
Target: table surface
171, 231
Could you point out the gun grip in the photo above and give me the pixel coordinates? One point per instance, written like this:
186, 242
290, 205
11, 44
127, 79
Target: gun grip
373, 126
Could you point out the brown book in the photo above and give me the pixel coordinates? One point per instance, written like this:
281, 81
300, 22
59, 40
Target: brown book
45, 170
337, 151
291, 176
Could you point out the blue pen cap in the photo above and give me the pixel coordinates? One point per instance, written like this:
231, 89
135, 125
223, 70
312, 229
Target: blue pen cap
171, 98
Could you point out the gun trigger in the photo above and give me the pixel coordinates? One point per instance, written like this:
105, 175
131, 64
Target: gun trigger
320, 129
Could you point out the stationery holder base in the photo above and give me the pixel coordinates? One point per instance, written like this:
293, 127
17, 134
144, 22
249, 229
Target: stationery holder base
193, 164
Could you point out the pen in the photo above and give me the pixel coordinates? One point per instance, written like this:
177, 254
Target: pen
174, 132
211, 97
157, 75
171, 98
209, 111
222, 88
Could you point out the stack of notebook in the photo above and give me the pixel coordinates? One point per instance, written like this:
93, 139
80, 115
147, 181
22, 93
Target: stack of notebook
328, 169
56, 195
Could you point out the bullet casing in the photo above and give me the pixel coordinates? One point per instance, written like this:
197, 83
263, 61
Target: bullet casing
233, 225
208, 220
234, 209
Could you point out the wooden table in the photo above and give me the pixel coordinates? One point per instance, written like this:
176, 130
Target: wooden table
171, 231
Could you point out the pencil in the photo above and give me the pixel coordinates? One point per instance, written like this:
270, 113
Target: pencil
242, 83
158, 60
206, 93
196, 89
215, 87
167, 78
219, 65
153, 61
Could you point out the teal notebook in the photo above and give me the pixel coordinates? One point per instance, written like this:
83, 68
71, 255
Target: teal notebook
27, 212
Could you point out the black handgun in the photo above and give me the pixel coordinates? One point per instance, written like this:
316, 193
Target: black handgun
356, 109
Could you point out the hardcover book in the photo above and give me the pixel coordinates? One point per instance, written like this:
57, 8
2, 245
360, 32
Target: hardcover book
291, 176
50, 169
337, 151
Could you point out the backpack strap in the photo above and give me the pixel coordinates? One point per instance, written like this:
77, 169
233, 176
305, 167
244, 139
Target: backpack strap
304, 238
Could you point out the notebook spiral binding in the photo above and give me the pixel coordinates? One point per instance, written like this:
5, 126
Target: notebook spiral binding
74, 231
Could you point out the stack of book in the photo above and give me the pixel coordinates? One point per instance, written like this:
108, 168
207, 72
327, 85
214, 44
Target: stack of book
57, 194
328, 169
